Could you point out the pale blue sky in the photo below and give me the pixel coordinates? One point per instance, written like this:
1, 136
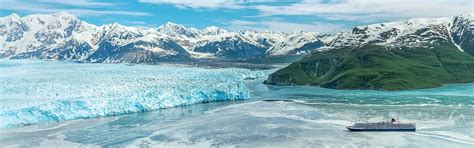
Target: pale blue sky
279, 15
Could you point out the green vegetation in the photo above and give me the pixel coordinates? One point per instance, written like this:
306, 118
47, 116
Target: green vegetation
379, 67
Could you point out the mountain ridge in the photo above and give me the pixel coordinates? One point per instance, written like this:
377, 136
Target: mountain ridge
411, 54
62, 36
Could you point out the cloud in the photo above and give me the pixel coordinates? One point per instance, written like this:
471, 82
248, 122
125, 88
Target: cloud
370, 9
138, 22
358, 11
44, 6
347, 10
76, 2
141, 25
86, 12
210, 4
242, 23
195, 3
315, 26
276, 25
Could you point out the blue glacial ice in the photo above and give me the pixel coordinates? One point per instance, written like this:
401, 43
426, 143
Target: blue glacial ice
38, 91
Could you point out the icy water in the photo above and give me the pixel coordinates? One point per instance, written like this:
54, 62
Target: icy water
272, 116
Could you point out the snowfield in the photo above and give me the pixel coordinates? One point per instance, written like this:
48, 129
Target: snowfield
38, 91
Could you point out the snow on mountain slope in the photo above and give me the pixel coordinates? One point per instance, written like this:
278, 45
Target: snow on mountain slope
12, 28
118, 43
264, 38
296, 43
227, 44
462, 33
230, 46
180, 31
57, 91
413, 32
43, 33
186, 37
213, 42
213, 30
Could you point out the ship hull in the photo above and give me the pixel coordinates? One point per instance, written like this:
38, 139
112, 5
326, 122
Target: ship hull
381, 127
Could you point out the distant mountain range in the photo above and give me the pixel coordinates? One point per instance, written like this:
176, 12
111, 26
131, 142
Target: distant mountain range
416, 53
62, 36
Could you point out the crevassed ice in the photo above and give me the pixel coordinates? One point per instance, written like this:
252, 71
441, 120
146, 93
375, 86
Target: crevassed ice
38, 91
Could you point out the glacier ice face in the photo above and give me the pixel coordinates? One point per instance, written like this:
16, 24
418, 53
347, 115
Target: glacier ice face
38, 91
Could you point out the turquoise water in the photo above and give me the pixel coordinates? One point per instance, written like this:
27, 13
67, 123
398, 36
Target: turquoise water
300, 116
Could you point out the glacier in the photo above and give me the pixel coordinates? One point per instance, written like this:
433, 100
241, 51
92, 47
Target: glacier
50, 91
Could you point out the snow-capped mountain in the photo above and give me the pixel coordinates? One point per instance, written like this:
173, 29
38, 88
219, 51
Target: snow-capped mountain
216, 42
118, 43
416, 53
58, 36
265, 38
62, 36
417, 32
296, 43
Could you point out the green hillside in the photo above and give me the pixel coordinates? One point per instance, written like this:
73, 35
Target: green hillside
379, 67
